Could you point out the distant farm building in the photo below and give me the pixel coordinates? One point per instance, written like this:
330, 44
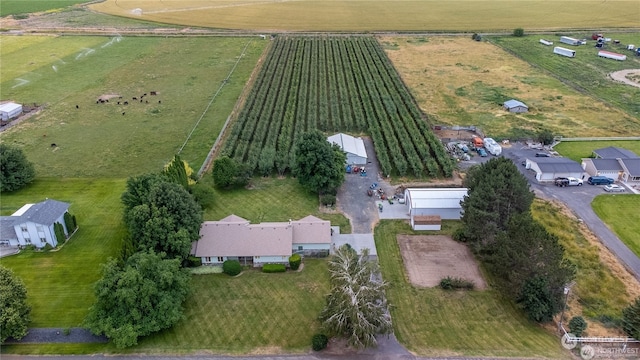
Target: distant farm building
515, 106
425, 204
564, 52
549, 168
352, 146
570, 41
546, 42
612, 55
9, 111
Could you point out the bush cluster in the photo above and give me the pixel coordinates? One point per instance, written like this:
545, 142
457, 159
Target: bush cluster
319, 342
577, 325
328, 200
274, 268
193, 261
231, 267
454, 283
294, 261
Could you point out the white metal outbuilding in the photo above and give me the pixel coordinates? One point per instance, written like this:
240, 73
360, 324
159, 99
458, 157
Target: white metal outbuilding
10, 110
435, 201
564, 51
352, 146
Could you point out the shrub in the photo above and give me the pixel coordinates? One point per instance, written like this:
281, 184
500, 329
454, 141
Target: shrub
453, 283
319, 342
545, 136
231, 267
66, 331
193, 261
577, 325
273, 268
631, 319
518, 32
47, 247
294, 261
328, 200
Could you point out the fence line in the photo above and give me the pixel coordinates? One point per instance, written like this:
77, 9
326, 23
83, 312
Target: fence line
597, 339
619, 138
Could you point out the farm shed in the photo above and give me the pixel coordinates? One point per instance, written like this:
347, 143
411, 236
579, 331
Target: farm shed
612, 55
549, 168
444, 202
564, 52
234, 238
546, 42
9, 111
33, 224
613, 152
515, 106
352, 146
570, 41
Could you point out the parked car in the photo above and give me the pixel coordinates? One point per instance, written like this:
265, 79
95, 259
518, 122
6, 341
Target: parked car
482, 152
541, 154
613, 188
600, 180
567, 181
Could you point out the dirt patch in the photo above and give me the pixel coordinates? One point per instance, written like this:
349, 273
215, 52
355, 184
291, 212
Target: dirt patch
429, 258
629, 76
105, 97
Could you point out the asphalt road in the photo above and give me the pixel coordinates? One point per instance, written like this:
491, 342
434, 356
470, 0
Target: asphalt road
578, 199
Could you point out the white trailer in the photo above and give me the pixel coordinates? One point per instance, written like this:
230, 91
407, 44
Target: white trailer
492, 146
612, 55
569, 40
546, 42
10, 110
564, 52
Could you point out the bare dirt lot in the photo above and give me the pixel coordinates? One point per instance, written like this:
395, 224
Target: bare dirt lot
429, 258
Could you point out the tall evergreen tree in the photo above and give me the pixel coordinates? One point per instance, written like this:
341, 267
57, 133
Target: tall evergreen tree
176, 171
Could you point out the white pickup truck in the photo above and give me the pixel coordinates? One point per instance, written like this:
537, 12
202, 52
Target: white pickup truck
568, 181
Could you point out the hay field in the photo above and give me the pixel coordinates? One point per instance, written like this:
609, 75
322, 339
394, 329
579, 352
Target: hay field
369, 15
459, 81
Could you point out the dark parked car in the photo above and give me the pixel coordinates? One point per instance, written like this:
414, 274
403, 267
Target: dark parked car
599, 180
541, 154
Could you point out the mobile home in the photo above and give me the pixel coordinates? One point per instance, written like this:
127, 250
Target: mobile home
564, 52
569, 40
10, 110
546, 42
612, 55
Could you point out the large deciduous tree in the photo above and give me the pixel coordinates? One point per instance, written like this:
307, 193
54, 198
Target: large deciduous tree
14, 310
138, 188
15, 170
497, 190
227, 173
356, 307
319, 165
137, 298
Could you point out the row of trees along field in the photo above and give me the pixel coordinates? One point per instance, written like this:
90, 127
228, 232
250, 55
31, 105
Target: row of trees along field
340, 84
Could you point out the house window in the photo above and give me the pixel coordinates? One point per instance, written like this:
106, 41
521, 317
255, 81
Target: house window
220, 259
207, 259
300, 247
24, 228
43, 240
27, 240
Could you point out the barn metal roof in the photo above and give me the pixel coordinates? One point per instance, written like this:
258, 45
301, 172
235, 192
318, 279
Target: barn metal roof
632, 166
613, 152
9, 107
349, 144
435, 198
509, 104
557, 165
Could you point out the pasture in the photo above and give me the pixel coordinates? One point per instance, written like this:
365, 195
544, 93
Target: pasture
622, 214
17, 7
334, 85
386, 15
587, 73
576, 150
457, 81
117, 140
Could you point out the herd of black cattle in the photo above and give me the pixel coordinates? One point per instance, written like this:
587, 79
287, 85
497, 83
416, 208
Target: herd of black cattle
102, 100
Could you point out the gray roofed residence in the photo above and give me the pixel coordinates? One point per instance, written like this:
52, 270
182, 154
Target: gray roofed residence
632, 168
33, 224
235, 238
607, 164
613, 152
352, 146
515, 106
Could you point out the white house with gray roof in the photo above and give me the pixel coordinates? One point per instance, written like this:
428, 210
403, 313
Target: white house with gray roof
33, 224
615, 163
235, 238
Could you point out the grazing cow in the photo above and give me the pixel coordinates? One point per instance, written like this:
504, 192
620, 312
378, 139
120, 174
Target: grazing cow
135, 98
107, 100
145, 94
147, 101
159, 102
123, 113
126, 103
153, 93
77, 107
53, 145
118, 102
140, 100
97, 101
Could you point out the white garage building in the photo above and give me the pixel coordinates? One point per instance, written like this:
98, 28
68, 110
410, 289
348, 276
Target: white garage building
352, 146
10, 110
444, 202
549, 168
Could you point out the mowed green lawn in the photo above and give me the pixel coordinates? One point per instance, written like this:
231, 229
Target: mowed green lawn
587, 72
577, 150
371, 15
14, 7
621, 212
111, 140
251, 313
60, 283
433, 322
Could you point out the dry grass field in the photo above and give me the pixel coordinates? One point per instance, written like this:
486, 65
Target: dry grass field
369, 15
459, 81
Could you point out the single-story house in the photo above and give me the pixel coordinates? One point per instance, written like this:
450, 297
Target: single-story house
613, 152
234, 238
33, 224
549, 168
444, 202
515, 106
352, 146
9, 111
614, 162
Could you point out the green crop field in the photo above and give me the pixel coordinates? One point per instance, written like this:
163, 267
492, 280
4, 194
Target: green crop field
16, 7
117, 140
587, 72
622, 214
370, 15
335, 85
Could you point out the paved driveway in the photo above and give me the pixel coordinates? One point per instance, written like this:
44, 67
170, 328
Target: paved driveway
579, 199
